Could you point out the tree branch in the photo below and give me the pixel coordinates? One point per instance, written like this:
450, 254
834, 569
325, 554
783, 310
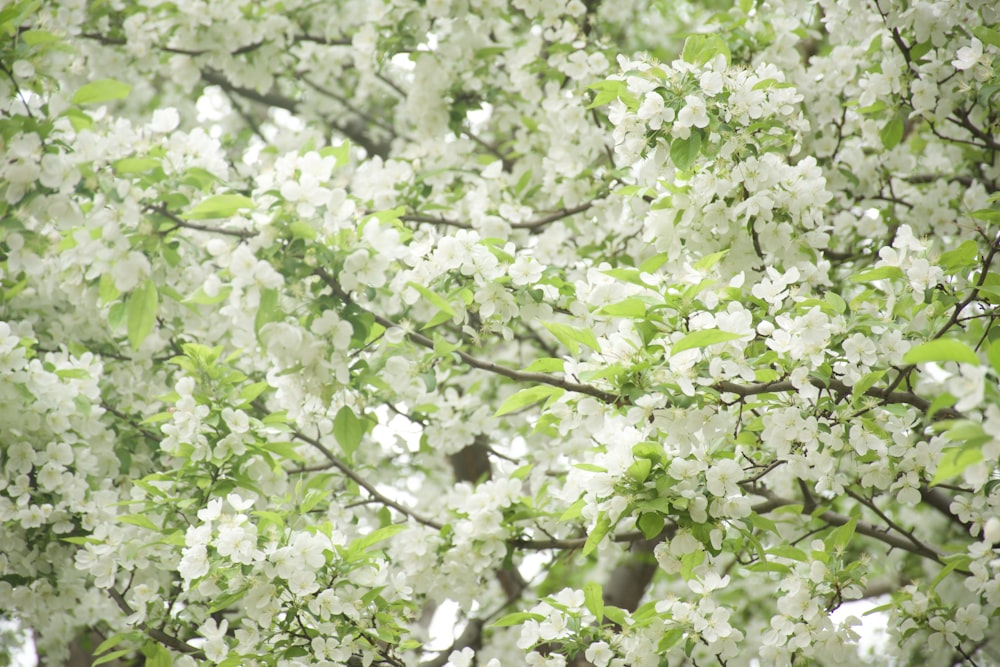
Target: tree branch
279, 101
159, 635
186, 224
360, 481
530, 224
475, 362
838, 386
774, 501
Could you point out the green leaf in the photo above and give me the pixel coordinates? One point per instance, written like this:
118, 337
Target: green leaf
597, 534
140, 520
867, 381
639, 470
73, 373
102, 90
632, 307
987, 214
788, 551
593, 598
36, 37
252, 391
341, 153
993, 354
881, 273
616, 615
702, 338
710, 260
517, 618
142, 307
571, 336
376, 536
700, 48
940, 402
962, 258
656, 261
218, 206
689, 562
836, 302
435, 299
669, 639
683, 152
289, 450
302, 230
388, 215
108, 657
633, 276
939, 350
574, 511
267, 310
955, 460
528, 396
348, 430
546, 365
156, 655
135, 165
892, 133
523, 471
840, 537
589, 467
114, 640
651, 524
951, 563
987, 35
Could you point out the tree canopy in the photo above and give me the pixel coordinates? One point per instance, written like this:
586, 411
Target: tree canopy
646, 333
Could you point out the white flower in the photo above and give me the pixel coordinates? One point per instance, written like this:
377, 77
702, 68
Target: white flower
708, 582
194, 563
130, 270
215, 639
694, 114
599, 653
968, 385
165, 120
968, 56
991, 530
654, 111
461, 658
525, 270
723, 478
711, 83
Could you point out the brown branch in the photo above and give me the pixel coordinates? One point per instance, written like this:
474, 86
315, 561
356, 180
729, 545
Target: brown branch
773, 502
961, 118
475, 362
954, 319
570, 543
315, 39
323, 90
506, 161
940, 501
159, 635
348, 472
870, 504
279, 101
838, 386
180, 222
530, 224
628, 580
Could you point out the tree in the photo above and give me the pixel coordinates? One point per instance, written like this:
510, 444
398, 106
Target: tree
648, 333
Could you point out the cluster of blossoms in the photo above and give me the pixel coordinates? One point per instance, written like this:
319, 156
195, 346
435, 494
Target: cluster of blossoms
712, 329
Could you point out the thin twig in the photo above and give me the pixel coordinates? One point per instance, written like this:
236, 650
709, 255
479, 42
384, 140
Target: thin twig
159, 635
348, 472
